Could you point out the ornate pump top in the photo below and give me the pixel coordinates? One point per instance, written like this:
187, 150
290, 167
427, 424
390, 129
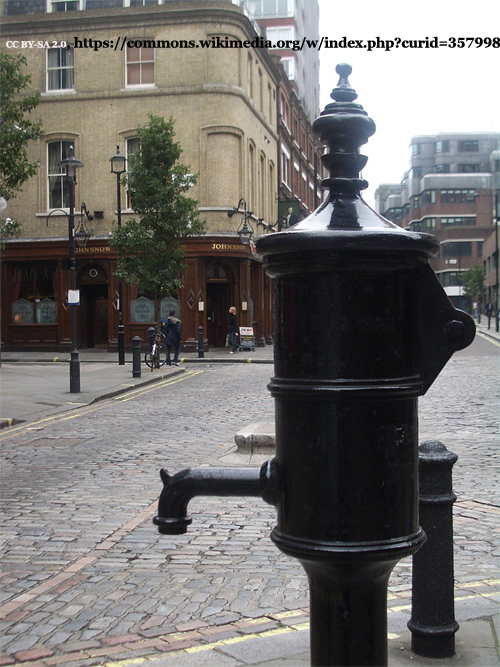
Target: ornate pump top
344, 126
344, 219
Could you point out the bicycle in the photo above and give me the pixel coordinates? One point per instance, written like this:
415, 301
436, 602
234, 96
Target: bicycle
157, 355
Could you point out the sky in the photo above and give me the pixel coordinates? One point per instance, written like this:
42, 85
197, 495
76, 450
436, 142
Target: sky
409, 92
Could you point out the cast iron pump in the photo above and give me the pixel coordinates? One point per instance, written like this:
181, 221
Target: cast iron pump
362, 329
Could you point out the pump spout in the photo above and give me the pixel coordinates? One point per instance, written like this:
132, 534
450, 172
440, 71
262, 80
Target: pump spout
172, 518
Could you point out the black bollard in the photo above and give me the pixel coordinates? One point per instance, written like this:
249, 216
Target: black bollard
121, 345
201, 353
432, 623
362, 329
136, 357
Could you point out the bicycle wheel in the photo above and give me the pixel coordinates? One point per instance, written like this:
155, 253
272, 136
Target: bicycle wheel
162, 356
149, 360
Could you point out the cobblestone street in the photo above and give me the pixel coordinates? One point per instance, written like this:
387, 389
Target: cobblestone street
86, 577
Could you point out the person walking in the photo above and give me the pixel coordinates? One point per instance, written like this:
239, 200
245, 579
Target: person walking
233, 330
172, 335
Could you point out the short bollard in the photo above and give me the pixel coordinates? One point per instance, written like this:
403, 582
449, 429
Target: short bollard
136, 357
201, 353
432, 623
121, 345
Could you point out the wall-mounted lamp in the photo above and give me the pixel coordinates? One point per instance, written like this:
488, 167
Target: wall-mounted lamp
245, 231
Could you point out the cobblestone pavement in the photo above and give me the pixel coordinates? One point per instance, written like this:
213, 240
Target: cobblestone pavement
87, 579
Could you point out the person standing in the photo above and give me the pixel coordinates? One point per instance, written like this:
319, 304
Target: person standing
172, 333
233, 330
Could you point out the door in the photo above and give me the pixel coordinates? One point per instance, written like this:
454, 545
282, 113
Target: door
94, 314
217, 313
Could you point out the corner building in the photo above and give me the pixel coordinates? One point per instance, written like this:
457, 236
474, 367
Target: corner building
224, 102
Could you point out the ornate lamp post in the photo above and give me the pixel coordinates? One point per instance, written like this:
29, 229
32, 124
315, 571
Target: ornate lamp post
119, 167
70, 165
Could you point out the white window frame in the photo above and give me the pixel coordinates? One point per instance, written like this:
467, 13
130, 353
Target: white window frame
81, 5
135, 62
126, 3
63, 67
60, 174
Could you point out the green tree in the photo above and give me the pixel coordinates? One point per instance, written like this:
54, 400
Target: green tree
150, 248
8, 229
16, 128
473, 281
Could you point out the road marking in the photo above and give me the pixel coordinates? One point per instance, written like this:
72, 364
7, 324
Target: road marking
95, 407
488, 338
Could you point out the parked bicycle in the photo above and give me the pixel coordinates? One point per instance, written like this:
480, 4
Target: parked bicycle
157, 355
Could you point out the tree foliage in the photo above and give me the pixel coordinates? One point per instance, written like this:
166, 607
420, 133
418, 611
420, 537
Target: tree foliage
16, 128
473, 281
8, 229
150, 248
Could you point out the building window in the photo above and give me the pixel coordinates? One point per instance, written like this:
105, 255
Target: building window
455, 196
424, 225
468, 146
468, 221
457, 249
285, 166
140, 66
415, 149
427, 197
60, 69
58, 188
468, 168
479, 248
280, 34
442, 146
33, 295
64, 5
141, 3
450, 279
416, 172
289, 67
442, 169
270, 8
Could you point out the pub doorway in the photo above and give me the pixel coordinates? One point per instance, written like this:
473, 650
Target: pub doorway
219, 289
217, 313
94, 329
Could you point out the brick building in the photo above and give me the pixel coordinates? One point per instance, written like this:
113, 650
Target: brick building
450, 192
225, 103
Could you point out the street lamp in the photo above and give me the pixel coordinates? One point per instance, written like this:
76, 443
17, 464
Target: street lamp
119, 167
245, 231
70, 165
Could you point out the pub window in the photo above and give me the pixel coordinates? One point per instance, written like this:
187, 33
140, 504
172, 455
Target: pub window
33, 299
58, 188
140, 65
60, 69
